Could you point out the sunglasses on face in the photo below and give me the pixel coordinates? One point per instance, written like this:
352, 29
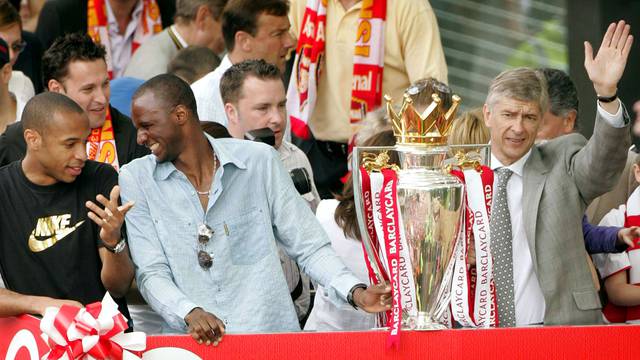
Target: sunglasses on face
204, 235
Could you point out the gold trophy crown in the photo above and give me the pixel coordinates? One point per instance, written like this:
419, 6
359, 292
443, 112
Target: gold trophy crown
430, 128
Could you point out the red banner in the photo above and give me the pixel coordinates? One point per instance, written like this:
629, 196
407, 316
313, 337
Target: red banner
576, 342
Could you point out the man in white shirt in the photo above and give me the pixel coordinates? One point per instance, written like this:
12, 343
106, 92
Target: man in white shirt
251, 30
254, 98
540, 265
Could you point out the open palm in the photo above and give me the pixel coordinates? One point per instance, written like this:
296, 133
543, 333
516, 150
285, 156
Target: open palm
606, 69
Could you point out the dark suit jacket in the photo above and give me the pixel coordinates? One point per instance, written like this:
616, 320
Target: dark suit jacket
59, 17
13, 147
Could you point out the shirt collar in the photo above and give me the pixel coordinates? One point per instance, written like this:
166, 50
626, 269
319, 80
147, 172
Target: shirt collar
356, 6
111, 18
175, 32
285, 150
165, 169
225, 63
517, 167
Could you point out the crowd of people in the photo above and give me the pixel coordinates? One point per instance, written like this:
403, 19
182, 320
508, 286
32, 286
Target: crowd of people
190, 158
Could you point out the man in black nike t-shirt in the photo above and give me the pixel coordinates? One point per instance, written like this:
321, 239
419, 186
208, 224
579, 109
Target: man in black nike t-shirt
60, 229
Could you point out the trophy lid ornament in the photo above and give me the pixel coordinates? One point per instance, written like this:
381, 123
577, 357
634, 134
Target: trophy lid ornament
429, 128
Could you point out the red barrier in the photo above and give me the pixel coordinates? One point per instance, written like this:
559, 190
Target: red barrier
578, 342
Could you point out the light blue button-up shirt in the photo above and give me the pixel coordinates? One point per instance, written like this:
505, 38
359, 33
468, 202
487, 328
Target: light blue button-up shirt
253, 204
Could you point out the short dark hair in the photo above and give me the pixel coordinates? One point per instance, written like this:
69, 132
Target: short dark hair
563, 96
193, 62
171, 90
242, 15
8, 14
66, 49
39, 108
233, 79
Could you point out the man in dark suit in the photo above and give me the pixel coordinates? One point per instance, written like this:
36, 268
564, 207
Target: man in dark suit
59, 17
75, 66
541, 191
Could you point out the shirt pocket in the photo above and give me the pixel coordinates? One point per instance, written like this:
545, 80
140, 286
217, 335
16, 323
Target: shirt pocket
180, 242
248, 237
587, 299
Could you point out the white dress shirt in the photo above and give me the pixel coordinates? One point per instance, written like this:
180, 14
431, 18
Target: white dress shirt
121, 43
21, 86
207, 93
292, 157
20, 104
529, 300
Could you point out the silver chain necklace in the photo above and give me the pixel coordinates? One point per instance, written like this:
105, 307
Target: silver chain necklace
215, 166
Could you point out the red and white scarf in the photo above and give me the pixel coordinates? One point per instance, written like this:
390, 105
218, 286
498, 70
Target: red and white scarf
101, 144
98, 26
368, 63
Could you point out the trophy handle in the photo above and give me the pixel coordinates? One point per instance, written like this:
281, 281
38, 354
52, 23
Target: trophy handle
357, 197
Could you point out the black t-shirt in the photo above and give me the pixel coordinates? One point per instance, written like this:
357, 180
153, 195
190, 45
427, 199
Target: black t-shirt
48, 244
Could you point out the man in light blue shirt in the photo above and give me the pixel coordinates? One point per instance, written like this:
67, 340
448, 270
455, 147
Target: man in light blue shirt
207, 218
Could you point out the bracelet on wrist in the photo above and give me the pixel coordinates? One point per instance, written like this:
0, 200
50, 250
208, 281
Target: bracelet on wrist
118, 248
607, 99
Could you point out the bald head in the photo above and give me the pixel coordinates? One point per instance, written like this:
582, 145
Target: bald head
39, 111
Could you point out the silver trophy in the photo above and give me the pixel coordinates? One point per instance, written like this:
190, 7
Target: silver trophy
430, 204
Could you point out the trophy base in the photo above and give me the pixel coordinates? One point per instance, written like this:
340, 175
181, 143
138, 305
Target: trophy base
422, 322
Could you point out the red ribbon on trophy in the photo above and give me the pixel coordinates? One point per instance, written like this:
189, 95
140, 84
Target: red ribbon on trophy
371, 223
95, 332
367, 198
371, 200
392, 234
473, 296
